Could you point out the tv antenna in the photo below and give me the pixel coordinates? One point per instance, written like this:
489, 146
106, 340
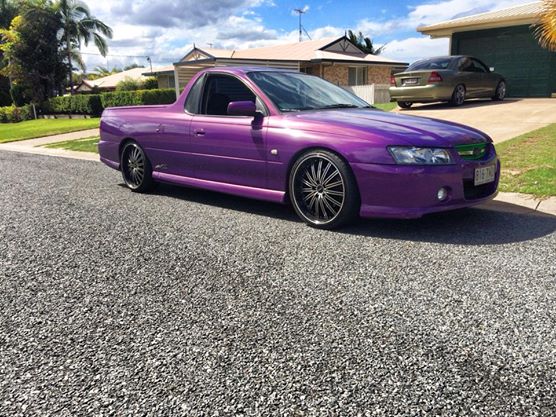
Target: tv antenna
301, 11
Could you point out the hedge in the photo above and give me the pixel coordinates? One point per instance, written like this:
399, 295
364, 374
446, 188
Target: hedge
77, 104
138, 97
11, 114
94, 104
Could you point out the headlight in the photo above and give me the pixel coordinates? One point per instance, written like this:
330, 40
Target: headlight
420, 156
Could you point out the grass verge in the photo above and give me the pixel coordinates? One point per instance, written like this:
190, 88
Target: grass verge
11, 132
81, 145
529, 163
385, 106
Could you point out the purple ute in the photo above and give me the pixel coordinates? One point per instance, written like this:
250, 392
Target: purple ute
284, 136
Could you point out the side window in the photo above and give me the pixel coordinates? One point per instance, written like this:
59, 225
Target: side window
465, 65
479, 66
220, 90
192, 100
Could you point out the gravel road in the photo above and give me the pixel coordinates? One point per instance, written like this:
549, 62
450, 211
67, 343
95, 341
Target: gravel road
186, 302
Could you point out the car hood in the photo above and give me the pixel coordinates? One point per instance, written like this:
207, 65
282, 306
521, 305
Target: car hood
394, 128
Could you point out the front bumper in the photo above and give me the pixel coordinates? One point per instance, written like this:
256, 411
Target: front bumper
405, 191
421, 93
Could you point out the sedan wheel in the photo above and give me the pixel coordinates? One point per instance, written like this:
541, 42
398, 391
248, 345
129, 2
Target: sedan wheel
323, 191
405, 104
500, 93
458, 96
136, 168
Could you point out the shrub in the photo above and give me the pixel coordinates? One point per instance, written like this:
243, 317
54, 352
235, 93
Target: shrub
129, 84
12, 114
94, 104
76, 104
150, 83
139, 97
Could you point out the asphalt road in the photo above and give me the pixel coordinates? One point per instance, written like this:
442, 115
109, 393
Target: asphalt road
186, 302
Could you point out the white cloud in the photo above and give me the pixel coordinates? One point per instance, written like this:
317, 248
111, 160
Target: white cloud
167, 29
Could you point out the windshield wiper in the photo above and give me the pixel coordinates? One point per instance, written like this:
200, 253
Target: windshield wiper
298, 109
341, 106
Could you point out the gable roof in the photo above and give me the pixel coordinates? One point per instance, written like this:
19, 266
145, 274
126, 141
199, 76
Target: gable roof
110, 81
524, 14
329, 49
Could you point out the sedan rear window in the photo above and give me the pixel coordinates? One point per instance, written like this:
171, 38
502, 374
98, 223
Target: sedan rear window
431, 64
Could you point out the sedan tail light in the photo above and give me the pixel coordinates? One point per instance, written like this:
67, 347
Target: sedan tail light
392, 80
435, 77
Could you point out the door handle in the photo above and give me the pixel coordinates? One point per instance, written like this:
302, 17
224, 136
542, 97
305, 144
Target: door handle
199, 132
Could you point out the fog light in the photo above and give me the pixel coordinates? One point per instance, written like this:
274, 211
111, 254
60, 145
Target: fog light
442, 194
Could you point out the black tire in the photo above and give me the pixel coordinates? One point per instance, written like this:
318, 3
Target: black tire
458, 96
500, 92
405, 104
136, 168
323, 190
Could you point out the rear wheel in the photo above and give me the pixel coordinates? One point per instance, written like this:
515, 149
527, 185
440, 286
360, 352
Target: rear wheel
136, 168
323, 190
458, 96
500, 92
405, 104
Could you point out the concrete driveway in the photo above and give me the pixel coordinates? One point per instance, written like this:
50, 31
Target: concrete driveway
501, 120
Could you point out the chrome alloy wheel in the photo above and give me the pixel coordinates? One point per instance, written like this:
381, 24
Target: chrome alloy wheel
133, 166
318, 189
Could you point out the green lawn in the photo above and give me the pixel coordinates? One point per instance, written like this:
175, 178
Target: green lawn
385, 106
529, 163
10, 132
82, 145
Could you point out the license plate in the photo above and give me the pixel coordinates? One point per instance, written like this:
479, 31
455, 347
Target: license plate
485, 175
410, 81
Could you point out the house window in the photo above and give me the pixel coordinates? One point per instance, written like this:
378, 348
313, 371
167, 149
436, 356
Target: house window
357, 76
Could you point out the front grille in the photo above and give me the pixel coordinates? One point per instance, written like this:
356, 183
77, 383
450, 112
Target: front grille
473, 192
472, 151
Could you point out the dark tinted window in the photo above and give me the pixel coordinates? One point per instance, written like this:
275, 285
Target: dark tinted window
220, 90
431, 64
479, 65
192, 100
471, 65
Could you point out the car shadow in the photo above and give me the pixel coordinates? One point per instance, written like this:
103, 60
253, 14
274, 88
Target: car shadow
492, 223
468, 104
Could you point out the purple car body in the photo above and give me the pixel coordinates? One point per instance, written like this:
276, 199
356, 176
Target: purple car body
253, 156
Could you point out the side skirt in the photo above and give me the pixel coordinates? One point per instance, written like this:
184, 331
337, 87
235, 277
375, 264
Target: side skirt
239, 190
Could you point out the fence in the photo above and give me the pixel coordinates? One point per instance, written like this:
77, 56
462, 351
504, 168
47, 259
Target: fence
371, 93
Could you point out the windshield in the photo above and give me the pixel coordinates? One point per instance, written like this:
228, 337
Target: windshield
430, 64
291, 91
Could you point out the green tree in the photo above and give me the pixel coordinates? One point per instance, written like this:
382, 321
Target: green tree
80, 27
31, 49
364, 43
8, 10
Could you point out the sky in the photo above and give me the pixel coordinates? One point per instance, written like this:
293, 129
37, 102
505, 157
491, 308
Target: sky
166, 30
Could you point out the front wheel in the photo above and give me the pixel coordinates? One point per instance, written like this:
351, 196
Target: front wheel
405, 104
136, 168
323, 190
500, 92
458, 96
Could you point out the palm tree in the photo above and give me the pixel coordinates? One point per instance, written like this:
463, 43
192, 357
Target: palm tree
545, 30
80, 27
364, 43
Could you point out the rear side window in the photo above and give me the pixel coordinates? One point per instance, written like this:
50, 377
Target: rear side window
431, 64
220, 90
192, 100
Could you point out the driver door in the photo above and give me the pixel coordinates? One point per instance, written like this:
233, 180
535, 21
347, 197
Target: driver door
228, 149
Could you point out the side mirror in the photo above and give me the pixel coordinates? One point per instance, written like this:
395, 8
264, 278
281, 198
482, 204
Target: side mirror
491, 69
242, 108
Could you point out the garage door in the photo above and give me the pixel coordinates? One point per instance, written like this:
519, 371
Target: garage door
514, 53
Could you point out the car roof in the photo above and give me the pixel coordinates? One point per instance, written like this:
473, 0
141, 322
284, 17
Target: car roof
246, 69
